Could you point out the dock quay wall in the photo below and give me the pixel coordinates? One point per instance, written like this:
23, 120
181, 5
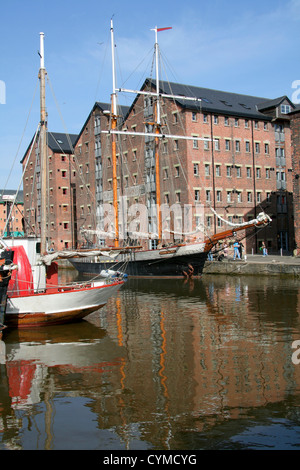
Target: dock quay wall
256, 265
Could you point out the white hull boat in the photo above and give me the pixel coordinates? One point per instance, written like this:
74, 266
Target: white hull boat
34, 297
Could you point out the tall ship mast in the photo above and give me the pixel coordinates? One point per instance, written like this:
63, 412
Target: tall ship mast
175, 258
31, 295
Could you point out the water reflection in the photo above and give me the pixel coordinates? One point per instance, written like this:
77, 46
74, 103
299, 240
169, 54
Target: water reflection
168, 364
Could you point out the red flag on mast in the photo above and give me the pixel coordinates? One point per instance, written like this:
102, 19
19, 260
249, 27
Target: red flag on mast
163, 29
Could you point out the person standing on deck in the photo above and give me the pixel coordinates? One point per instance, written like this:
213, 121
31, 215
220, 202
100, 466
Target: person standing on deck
264, 249
236, 250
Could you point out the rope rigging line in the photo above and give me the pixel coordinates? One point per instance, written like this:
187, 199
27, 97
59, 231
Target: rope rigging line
243, 224
201, 227
24, 170
168, 158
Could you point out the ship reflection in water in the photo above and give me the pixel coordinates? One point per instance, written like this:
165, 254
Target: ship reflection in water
168, 364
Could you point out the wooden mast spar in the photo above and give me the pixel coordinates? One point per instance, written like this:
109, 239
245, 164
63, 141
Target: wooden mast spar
114, 149
43, 148
157, 132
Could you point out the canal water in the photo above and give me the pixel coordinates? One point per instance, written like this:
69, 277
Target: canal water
166, 365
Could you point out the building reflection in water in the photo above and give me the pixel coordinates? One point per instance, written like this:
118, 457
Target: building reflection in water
164, 364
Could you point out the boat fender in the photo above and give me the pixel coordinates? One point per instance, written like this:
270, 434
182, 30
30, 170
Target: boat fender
111, 273
189, 272
21, 282
191, 269
107, 273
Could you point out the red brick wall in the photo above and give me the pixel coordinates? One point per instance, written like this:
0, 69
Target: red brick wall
295, 128
17, 215
59, 203
131, 166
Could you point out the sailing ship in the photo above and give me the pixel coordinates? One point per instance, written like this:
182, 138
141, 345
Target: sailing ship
6, 268
31, 295
171, 259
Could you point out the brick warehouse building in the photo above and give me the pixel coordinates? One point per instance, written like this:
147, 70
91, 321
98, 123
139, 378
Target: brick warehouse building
295, 129
11, 202
61, 196
93, 159
244, 169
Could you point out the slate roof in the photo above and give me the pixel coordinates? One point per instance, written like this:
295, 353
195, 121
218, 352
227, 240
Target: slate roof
271, 103
58, 143
61, 143
103, 107
107, 107
11, 192
296, 110
221, 102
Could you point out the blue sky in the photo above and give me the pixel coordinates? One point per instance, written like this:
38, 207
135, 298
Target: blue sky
243, 47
